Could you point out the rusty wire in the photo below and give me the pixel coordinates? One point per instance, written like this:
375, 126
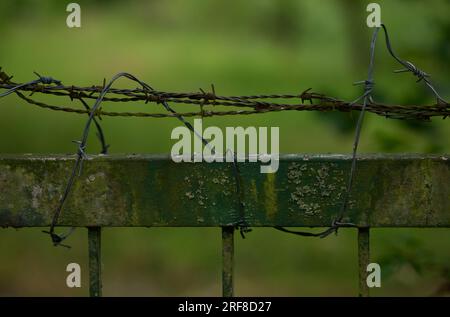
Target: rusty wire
367, 97
253, 104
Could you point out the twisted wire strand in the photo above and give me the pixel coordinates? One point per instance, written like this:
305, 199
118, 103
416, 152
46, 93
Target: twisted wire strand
325, 104
410, 67
41, 79
255, 104
57, 239
366, 96
81, 155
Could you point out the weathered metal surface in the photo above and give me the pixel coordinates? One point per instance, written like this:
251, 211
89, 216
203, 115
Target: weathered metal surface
149, 190
95, 261
363, 260
227, 261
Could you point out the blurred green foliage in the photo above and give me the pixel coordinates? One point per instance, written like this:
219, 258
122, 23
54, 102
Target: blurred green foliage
243, 47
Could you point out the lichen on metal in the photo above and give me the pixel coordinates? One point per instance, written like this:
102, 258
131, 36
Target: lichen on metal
151, 190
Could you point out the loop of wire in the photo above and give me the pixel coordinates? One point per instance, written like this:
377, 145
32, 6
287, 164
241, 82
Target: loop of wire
257, 104
81, 156
367, 97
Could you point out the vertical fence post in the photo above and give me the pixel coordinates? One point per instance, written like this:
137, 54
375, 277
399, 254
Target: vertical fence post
363, 260
95, 261
227, 261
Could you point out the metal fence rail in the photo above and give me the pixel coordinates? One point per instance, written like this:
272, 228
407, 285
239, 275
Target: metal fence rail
151, 190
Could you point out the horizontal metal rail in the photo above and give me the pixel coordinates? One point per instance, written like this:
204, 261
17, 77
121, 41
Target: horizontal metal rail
151, 190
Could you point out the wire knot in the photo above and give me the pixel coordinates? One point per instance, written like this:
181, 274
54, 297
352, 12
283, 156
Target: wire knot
410, 67
56, 239
73, 94
48, 80
209, 96
368, 85
158, 99
4, 77
306, 95
244, 229
81, 149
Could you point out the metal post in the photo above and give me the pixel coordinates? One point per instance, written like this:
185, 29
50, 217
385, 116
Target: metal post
363, 259
95, 261
228, 261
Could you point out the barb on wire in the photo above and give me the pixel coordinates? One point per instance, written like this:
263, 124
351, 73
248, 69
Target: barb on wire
57, 239
253, 104
81, 154
41, 79
410, 67
242, 224
367, 97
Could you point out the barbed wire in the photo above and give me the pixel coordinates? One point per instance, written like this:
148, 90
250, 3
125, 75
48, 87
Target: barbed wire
367, 97
252, 104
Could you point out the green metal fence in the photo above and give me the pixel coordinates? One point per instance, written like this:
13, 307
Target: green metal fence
151, 190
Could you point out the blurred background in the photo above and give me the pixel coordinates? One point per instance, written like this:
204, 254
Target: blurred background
243, 47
